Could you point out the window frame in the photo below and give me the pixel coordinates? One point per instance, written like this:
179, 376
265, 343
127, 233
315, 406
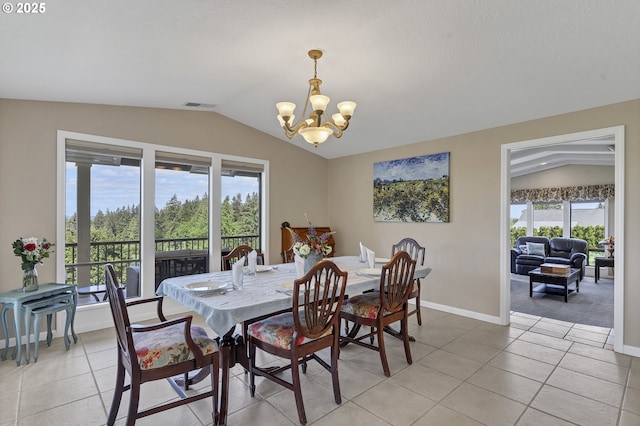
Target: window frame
147, 207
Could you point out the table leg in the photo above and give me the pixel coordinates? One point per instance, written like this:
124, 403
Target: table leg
17, 327
566, 290
27, 329
36, 343
232, 351
5, 328
73, 315
67, 341
49, 333
530, 286
597, 274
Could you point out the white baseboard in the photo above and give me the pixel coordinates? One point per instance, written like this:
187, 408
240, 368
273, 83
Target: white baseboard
461, 312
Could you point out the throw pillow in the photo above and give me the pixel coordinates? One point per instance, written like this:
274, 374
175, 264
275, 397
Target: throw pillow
523, 249
536, 249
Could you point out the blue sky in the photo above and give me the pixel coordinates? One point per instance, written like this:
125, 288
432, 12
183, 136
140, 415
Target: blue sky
114, 187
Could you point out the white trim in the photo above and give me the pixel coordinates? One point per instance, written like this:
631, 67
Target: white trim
505, 190
98, 316
462, 312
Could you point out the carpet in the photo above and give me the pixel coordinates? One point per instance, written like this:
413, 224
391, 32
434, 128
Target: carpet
593, 305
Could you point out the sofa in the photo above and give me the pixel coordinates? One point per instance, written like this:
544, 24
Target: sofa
522, 261
531, 252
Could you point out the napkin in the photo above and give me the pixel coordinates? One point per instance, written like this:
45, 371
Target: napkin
371, 258
299, 266
363, 252
236, 271
253, 261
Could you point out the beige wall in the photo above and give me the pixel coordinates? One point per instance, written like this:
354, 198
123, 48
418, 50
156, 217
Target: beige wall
464, 253
28, 132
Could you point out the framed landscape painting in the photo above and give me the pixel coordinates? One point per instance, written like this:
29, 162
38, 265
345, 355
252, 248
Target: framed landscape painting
412, 189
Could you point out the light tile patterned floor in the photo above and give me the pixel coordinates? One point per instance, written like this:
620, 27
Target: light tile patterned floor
464, 372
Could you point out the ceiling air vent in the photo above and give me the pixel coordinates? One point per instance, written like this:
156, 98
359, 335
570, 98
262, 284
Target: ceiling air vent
199, 105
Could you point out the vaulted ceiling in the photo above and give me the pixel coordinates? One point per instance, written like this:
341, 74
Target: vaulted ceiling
419, 70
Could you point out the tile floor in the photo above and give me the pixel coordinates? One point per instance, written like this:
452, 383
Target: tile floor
465, 372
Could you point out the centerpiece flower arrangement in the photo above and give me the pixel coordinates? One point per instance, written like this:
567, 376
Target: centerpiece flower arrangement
314, 244
32, 252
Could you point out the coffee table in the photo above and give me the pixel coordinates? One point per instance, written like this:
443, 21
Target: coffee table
554, 283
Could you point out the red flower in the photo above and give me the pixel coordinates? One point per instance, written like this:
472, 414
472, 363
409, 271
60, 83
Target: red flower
30, 247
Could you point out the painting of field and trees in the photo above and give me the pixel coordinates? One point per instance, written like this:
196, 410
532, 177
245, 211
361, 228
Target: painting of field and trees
412, 189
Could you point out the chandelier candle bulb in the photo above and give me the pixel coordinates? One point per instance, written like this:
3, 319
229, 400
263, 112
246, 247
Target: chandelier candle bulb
346, 108
319, 102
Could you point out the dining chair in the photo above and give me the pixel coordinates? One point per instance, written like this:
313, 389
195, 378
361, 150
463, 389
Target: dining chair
378, 309
312, 324
288, 256
235, 254
417, 253
160, 351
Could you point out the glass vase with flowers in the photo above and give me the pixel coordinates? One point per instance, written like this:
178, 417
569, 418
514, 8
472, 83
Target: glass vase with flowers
313, 248
32, 251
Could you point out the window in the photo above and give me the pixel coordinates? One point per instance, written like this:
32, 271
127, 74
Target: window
585, 220
126, 202
181, 215
587, 223
240, 210
518, 222
548, 219
102, 214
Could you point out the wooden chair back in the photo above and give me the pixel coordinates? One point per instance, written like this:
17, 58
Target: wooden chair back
288, 256
411, 246
321, 293
117, 302
396, 281
237, 253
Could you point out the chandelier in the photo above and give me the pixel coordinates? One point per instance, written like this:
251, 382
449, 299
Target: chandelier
313, 129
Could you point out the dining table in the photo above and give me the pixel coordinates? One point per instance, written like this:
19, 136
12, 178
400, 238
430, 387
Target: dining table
269, 291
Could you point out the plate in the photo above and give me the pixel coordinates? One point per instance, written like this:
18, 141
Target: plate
263, 268
205, 286
371, 271
382, 260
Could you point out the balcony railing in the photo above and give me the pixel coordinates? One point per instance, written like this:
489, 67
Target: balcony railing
127, 253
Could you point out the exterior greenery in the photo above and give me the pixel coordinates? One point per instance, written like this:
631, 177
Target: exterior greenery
115, 235
189, 219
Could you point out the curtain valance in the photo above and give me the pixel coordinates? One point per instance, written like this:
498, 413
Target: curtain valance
568, 193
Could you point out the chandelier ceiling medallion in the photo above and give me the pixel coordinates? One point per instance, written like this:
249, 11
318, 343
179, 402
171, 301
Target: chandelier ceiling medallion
313, 129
